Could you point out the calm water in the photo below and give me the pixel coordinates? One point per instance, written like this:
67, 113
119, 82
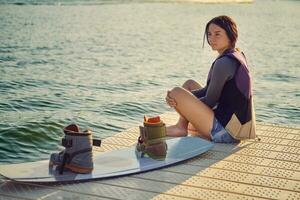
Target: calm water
104, 64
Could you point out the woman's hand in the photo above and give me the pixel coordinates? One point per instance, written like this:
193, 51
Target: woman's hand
170, 101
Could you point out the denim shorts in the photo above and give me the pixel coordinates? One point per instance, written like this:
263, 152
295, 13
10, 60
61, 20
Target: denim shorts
220, 135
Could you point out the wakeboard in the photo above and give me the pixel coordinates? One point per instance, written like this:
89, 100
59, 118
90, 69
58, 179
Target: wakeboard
110, 164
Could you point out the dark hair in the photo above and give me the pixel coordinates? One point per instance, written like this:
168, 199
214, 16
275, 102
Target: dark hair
225, 23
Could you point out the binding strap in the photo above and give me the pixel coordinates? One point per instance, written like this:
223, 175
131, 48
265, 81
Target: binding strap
67, 158
96, 142
155, 131
62, 166
68, 143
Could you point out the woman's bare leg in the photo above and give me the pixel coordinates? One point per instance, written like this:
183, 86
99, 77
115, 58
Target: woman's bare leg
182, 125
193, 111
191, 85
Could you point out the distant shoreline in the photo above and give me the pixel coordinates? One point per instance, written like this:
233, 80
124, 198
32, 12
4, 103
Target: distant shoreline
203, 1
21, 3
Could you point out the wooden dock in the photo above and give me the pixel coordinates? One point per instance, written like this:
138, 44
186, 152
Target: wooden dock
266, 169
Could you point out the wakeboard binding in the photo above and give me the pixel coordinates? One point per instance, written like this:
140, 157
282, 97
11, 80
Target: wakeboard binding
78, 153
151, 141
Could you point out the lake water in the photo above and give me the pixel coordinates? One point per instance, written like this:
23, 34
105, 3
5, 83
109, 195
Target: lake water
104, 64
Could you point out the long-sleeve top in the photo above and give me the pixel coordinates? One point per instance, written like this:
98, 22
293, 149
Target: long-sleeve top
228, 93
222, 70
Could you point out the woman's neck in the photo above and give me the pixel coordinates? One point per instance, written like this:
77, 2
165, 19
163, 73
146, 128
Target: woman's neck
225, 50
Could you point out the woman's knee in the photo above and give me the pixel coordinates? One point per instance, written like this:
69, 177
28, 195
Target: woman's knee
190, 85
176, 91
179, 93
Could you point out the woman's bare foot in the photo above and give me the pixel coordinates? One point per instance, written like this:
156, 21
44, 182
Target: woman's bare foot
176, 131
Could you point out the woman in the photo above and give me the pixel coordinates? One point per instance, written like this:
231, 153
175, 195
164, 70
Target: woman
222, 111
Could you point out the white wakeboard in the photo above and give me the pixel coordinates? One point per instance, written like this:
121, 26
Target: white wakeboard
109, 164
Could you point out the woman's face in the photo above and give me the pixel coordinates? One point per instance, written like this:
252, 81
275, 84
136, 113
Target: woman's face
217, 38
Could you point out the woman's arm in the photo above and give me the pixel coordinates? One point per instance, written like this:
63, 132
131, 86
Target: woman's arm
199, 92
223, 70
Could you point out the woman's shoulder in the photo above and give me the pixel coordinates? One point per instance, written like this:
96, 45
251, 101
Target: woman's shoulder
226, 61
